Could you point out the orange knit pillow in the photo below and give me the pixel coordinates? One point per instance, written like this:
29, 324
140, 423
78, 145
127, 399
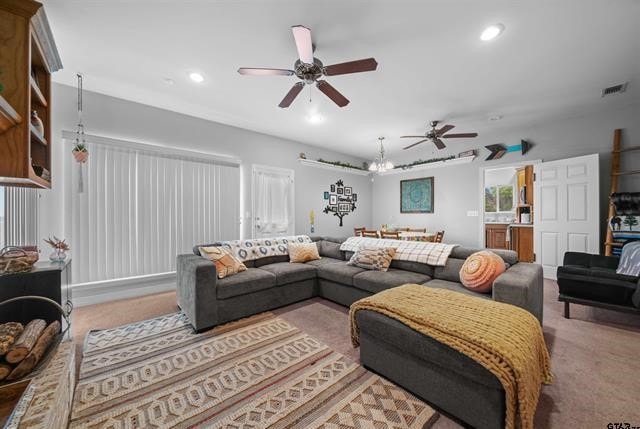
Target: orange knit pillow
480, 270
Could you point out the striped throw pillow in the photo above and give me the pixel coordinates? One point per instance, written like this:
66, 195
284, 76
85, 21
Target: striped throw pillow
303, 252
630, 260
373, 258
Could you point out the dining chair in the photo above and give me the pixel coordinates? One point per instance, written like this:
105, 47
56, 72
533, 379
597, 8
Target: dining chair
358, 231
389, 234
371, 234
417, 230
438, 237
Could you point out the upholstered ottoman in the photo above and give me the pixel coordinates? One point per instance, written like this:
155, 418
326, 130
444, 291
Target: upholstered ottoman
452, 382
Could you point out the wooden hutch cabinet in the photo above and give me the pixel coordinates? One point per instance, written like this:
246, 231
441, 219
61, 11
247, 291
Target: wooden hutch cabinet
28, 56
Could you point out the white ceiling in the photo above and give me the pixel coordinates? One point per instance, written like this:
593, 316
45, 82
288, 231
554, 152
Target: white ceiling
552, 61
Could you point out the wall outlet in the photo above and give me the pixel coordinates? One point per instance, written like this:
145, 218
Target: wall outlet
472, 213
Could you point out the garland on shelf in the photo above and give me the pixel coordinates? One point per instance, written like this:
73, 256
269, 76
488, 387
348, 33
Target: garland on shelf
422, 162
341, 164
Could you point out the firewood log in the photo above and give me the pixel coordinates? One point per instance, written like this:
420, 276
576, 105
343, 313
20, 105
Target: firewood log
9, 332
32, 359
25, 342
5, 370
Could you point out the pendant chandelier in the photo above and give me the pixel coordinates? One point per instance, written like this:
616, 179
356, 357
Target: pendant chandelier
380, 164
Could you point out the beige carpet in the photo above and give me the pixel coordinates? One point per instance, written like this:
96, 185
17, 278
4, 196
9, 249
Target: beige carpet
594, 355
257, 372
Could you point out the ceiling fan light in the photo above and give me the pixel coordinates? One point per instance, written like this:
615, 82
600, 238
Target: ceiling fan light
491, 32
373, 166
388, 165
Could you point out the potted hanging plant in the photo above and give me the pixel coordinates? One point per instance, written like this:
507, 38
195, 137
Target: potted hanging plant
60, 249
80, 153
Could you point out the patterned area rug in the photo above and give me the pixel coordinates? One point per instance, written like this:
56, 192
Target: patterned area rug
254, 373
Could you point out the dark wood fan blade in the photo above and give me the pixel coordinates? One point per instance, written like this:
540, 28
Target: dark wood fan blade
415, 144
358, 66
444, 129
304, 44
460, 136
332, 93
411, 137
291, 95
439, 143
257, 71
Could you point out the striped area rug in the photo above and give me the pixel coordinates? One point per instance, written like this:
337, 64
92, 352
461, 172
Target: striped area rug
254, 373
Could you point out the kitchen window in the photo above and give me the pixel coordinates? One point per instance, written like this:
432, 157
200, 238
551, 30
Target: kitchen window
498, 199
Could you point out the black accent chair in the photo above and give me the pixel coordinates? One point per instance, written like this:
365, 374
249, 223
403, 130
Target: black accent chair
592, 280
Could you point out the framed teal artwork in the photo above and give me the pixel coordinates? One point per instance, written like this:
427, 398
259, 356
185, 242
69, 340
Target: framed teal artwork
416, 195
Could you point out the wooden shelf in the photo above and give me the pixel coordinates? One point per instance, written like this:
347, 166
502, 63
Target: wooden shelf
328, 166
9, 118
36, 94
430, 165
36, 136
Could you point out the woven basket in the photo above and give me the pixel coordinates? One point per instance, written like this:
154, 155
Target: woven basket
16, 260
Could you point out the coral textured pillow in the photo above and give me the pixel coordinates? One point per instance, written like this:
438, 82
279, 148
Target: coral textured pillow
226, 264
303, 252
373, 258
480, 270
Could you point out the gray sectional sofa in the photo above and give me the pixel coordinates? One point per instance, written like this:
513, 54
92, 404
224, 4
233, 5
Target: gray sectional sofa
273, 282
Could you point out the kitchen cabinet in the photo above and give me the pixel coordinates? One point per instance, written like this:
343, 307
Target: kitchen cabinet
496, 236
522, 242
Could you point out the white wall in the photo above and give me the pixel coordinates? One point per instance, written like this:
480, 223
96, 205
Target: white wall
457, 188
112, 117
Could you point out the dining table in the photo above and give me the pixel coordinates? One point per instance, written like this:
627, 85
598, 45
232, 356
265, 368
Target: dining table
416, 236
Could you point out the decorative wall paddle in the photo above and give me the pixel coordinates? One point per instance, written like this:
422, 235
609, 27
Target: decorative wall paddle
498, 150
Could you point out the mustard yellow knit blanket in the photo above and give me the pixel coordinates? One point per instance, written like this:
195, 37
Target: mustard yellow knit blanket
504, 339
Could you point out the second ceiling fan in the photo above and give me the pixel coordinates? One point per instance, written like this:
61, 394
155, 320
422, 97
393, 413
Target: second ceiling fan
310, 69
435, 136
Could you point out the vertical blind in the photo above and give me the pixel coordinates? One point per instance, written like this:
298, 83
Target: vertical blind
140, 208
20, 217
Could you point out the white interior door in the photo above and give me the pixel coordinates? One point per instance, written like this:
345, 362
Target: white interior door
273, 202
566, 215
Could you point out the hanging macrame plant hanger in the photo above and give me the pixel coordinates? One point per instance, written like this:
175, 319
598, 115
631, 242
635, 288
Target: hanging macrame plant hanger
80, 151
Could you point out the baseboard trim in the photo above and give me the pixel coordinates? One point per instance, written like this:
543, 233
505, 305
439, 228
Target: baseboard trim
98, 292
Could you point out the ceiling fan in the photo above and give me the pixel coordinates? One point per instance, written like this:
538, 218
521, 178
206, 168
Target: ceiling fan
434, 136
310, 69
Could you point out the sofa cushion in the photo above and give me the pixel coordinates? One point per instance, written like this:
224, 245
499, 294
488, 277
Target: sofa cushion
226, 264
377, 281
509, 256
330, 249
456, 287
323, 261
451, 271
596, 285
416, 267
480, 270
251, 280
339, 272
271, 260
290, 272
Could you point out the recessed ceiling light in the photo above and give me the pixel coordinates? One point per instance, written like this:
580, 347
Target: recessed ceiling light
315, 118
491, 32
196, 77
495, 117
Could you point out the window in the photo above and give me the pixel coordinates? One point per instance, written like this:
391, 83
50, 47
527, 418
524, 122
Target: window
18, 216
498, 198
140, 207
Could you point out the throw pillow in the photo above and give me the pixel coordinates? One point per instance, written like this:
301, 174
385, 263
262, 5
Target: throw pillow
480, 270
226, 264
630, 260
303, 252
373, 258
